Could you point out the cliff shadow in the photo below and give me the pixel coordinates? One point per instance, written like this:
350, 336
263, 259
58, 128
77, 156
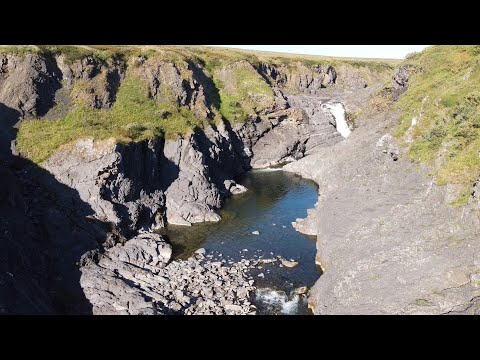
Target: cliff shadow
46, 232
8, 118
212, 94
113, 83
48, 87
225, 164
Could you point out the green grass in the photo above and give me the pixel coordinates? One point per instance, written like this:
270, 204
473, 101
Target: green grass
250, 94
133, 117
19, 50
450, 123
422, 302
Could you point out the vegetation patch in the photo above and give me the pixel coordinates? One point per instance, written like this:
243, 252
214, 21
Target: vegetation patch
423, 302
133, 117
248, 95
448, 125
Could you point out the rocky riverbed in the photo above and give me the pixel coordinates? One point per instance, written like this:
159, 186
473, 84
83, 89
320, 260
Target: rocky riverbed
138, 278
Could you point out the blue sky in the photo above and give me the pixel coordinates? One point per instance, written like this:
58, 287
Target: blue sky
364, 51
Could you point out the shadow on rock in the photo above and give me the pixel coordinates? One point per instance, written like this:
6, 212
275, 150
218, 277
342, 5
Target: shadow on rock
46, 232
8, 119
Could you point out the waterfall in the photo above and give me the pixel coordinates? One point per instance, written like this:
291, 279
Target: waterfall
338, 112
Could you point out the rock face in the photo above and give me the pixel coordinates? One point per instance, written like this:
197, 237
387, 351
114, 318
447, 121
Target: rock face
295, 132
143, 186
122, 184
45, 229
28, 84
387, 239
185, 81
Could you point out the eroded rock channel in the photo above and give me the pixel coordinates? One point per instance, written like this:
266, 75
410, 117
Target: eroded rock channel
166, 224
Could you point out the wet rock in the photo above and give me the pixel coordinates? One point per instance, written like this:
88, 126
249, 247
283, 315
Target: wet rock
200, 251
301, 290
289, 264
234, 188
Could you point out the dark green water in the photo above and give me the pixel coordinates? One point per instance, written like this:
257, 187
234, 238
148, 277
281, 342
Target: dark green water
274, 200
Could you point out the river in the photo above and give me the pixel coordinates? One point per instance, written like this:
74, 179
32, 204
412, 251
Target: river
274, 199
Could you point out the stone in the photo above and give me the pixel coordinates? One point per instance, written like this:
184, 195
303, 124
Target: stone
262, 275
200, 251
475, 279
233, 308
301, 290
289, 264
165, 252
256, 232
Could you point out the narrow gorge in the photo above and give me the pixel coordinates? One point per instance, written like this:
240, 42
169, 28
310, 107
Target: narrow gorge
109, 155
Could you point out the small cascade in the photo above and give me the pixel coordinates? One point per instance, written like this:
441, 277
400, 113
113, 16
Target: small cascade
338, 112
277, 301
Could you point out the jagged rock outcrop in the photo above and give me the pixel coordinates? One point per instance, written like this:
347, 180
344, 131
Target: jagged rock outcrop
122, 184
93, 82
134, 279
400, 79
350, 78
312, 79
28, 84
182, 81
297, 132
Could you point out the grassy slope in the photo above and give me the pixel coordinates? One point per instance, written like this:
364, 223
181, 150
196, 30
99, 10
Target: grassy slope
448, 131
135, 116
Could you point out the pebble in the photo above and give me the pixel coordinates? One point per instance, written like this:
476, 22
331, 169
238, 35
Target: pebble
256, 232
262, 275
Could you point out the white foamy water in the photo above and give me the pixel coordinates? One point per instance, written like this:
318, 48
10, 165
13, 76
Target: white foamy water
268, 169
338, 112
279, 300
